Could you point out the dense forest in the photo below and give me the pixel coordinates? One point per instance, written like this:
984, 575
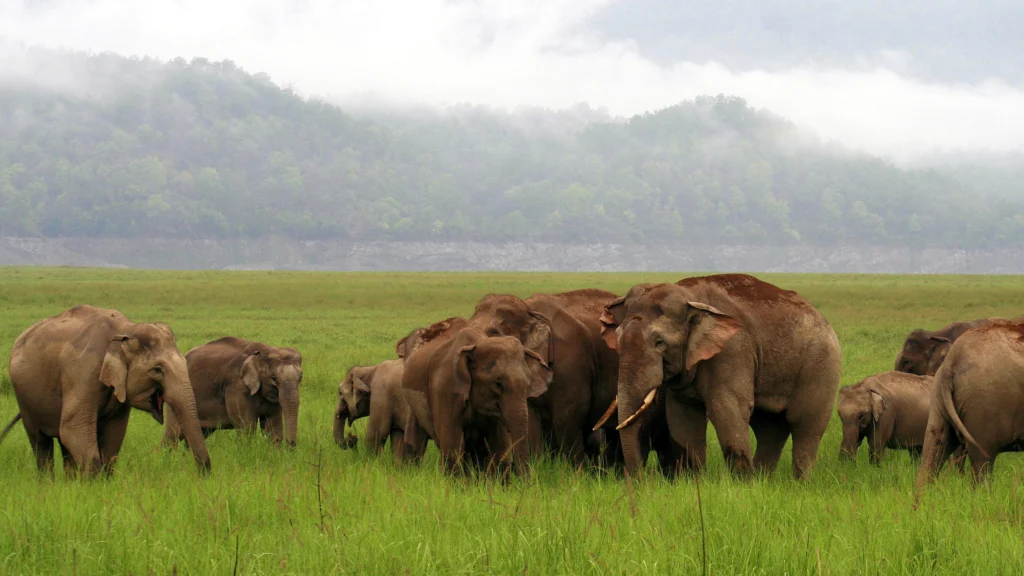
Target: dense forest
105, 146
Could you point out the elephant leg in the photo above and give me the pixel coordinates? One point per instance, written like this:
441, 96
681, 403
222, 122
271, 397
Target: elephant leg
806, 437
42, 447
688, 425
69, 460
959, 458
415, 439
110, 437
397, 439
78, 428
241, 412
451, 443
274, 426
771, 432
981, 466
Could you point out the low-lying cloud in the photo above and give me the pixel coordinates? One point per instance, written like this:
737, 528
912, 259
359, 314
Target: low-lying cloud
508, 53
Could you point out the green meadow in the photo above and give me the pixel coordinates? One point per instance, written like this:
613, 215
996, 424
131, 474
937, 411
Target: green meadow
321, 510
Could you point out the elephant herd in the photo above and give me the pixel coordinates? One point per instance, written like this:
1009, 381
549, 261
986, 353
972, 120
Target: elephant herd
595, 378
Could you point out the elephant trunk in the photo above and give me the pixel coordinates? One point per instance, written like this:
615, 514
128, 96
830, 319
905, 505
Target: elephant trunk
340, 418
290, 406
179, 396
851, 442
640, 375
517, 421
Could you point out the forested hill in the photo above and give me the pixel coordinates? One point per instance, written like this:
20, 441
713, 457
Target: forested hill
104, 146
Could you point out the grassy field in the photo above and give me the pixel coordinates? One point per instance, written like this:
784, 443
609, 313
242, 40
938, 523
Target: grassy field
261, 512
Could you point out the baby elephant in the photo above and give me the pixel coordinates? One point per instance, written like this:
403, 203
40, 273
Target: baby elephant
239, 383
374, 391
890, 410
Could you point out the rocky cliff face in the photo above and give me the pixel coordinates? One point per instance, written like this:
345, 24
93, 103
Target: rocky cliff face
284, 254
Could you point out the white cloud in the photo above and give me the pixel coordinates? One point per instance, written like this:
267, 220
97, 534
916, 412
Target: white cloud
515, 52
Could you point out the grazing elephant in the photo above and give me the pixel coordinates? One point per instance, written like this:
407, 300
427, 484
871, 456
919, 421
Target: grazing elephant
977, 401
924, 350
889, 409
732, 348
564, 344
239, 383
374, 391
78, 375
469, 392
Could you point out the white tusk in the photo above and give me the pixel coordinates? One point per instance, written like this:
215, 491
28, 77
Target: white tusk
607, 414
647, 403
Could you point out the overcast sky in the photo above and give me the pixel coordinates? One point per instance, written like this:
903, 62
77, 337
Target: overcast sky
512, 52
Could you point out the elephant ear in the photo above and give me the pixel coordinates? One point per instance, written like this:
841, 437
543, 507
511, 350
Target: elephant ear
877, 405
612, 318
709, 334
251, 374
541, 339
114, 372
462, 379
540, 374
361, 383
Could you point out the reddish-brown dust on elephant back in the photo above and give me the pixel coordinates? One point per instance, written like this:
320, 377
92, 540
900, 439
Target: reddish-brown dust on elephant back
748, 288
1010, 327
438, 328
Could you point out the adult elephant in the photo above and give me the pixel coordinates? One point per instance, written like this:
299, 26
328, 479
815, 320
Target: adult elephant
544, 326
586, 306
374, 391
924, 350
241, 383
732, 348
77, 376
468, 391
977, 401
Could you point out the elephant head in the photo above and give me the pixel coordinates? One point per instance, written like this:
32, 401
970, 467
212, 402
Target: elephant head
145, 369
660, 335
922, 353
506, 315
275, 373
495, 376
860, 407
420, 336
353, 402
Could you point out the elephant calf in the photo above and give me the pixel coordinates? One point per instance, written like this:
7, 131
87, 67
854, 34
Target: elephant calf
890, 410
374, 391
977, 400
239, 383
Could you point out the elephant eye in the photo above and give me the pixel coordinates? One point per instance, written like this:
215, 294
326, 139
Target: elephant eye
499, 384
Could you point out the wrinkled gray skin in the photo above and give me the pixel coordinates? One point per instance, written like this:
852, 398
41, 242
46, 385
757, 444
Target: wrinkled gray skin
374, 391
889, 410
729, 348
924, 350
239, 384
78, 375
977, 401
468, 392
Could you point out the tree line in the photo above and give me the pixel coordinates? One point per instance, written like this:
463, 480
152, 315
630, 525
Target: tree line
137, 147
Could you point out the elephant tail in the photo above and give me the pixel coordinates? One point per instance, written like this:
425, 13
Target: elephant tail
945, 384
7, 430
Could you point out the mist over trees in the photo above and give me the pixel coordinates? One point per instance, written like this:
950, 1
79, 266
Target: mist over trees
105, 146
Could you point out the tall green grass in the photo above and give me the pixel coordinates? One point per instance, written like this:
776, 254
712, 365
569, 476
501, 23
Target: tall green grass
320, 510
